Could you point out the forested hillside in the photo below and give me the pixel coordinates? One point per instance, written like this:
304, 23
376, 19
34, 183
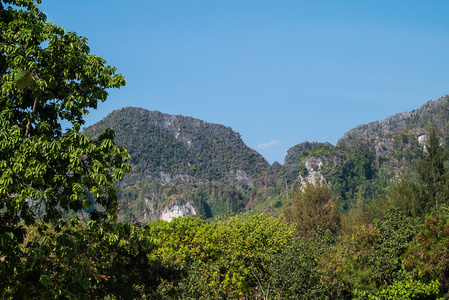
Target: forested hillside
164, 146
368, 158
182, 161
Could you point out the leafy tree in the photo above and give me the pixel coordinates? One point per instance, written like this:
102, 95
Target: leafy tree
76, 260
433, 171
403, 290
292, 273
404, 195
312, 208
183, 240
247, 244
47, 77
189, 248
397, 232
428, 256
370, 258
351, 264
356, 216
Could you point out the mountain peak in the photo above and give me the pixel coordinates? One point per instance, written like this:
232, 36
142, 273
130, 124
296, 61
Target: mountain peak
435, 111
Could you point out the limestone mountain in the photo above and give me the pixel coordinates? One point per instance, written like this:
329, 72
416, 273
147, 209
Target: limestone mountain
181, 160
367, 158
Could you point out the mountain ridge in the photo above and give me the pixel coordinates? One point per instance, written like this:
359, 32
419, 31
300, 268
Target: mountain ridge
398, 122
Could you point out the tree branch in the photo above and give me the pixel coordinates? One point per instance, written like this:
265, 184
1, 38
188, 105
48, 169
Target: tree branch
31, 119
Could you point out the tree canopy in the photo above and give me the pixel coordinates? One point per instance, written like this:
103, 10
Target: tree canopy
428, 188
48, 78
312, 208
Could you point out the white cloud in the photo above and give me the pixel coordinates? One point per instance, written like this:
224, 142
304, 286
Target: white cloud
270, 144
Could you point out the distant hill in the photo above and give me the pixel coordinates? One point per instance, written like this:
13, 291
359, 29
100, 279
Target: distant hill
169, 150
182, 165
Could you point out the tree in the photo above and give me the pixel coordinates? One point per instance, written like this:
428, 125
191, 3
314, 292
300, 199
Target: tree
247, 244
77, 260
433, 172
369, 258
313, 208
47, 77
292, 274
428, 256
416, 195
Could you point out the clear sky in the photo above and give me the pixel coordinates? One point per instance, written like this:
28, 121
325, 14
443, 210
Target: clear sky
277, 72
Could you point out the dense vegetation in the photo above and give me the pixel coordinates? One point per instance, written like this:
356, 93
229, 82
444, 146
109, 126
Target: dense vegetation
59, 234
376, 252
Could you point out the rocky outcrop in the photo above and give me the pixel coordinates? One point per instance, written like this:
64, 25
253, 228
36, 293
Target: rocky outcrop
240, 175
178, 159
177, 210
313, 174
154, 210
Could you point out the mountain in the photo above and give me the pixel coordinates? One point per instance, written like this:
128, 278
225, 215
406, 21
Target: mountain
164, 146
182, 165
182, 161
367, 158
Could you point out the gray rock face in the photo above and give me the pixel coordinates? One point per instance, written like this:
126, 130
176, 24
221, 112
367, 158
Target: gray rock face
314, 166
154, 210
240, 175
175, 211
417, 119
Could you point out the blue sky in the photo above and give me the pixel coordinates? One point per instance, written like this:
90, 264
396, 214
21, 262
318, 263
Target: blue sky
277, 72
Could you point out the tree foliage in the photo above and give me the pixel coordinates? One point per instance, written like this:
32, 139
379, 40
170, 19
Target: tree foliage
48, 175
76, 260
429, 187
370, 258
48, 77
313, 208
40, 165
428, 256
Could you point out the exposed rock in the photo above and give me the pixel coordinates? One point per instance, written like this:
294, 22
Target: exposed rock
151, 210
176, 210
165, 178
240, 175
422, 139
182, 165
313, 175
